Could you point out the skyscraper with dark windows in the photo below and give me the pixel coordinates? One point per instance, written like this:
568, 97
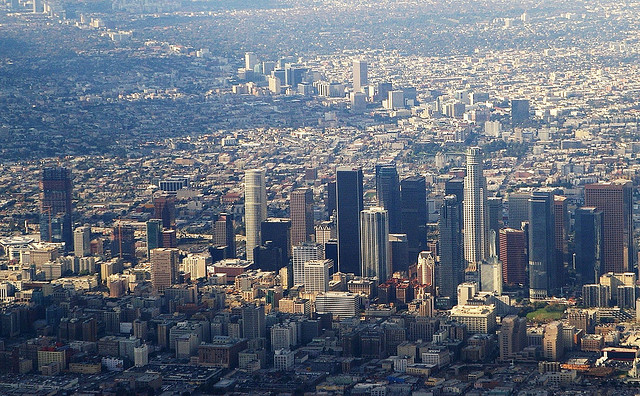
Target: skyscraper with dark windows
589, 244
451, 272
301, 210
542, 258
519, 111
278, 231
388, 194
154, 235
349, 203
413, 206
165, 209
330, 203
614, 199
56, 193
224, 234
518, 209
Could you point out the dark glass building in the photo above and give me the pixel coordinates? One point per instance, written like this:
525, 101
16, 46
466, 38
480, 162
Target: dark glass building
589, 240
56, 193
451, 272
349, 204
388, 194
413, 198
542, 254
278, 231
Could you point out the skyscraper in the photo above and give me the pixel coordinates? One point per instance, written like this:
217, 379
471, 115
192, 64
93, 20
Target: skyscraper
224, 234
253, 322
55, 206
154, 235
316, 275
123, 241
360, 78
518, 209
165, 209
278, 231
451, 272
330, 203
302, 254
512, 337
255, 207
413, 198
427, 270
475, 215
513, 255
374, 243
388, 194
561, 223
349, 203
494, 217
301, 209
164, 268
614, 199
250, 60
82, 241
542, 258
589, 240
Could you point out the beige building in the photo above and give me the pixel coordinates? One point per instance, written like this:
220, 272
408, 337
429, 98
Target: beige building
552, 345
164, 265
479, 319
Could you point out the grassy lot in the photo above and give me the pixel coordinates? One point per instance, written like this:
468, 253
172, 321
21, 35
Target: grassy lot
547, 313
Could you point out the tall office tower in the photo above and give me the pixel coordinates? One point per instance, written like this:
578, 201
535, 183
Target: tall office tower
278, 231
253, 322
302, 254
224, 233
552, 345
614, 199
82, 241
388, 194
164, 268
360, 78
595, 295
374, 243
512, 336
301, 209
427, 270
494, 216
324, 231
451, 258
399, 252
413, 203
519, 111
154, 235
294, 75
255, 207
169, 238
589, 240
330, 203
316, 276
55, 206
542, 264
518, 209
349, 203
490, 270
250, 60
475, 214
561, 223
455, 187
123, 241
165, 209
513, 254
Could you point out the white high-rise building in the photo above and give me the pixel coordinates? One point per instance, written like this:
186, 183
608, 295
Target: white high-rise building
82, 241
360, 78
302, 254
340, 304
476, 228
196, 265
250, 60
316, 275
374, 243
255, 207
